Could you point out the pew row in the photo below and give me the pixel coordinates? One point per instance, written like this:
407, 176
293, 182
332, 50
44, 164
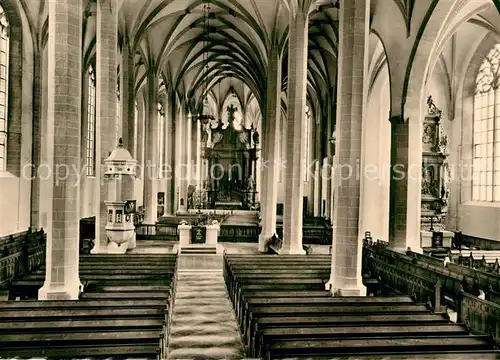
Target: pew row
291, 323
123, 313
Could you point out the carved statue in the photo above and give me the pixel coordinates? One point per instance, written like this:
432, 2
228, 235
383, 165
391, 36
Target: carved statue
250, 184
432, 108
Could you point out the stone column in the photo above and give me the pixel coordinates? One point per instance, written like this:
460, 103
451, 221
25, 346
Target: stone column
270, 166
127, 94
36, 150
169, 151
295, 140
189, 151
180, 163
151, 157
403, 175
198, 154
62, 280
106, 80
140, 152
345, 276
177, 146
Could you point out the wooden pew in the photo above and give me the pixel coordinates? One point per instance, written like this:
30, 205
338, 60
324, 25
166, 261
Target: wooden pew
102, 267
299, 322
125, 311
386, 345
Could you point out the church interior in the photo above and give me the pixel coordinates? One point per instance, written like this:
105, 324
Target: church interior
263, 179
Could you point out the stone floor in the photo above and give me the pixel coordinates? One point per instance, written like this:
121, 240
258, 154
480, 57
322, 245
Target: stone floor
203, 323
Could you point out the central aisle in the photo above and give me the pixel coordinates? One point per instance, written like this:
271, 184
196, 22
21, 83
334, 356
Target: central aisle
203, 321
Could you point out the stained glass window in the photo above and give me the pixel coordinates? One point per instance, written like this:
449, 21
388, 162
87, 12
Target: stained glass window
91, 115
136, 124
4, 76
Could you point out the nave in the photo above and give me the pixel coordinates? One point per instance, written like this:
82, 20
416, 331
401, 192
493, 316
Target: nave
157, 304
250, 178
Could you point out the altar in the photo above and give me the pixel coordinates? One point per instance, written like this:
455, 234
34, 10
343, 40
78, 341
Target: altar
230, 151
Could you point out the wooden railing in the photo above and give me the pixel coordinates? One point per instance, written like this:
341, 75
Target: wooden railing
156, 232
239, 233
417, 278
311, 235
480, 316
28, 254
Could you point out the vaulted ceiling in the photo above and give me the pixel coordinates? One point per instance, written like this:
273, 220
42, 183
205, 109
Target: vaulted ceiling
194, 44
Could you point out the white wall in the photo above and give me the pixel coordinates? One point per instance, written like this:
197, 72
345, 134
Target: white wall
374, 201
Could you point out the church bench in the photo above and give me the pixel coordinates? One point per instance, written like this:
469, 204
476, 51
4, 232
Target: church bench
407, 279
450, 282
114, 351
249, 303
21, 256
277, 285
161, 286
493, 296
425, 258
240, 304
147, 343
90, 273
80, 325
304, 310
330, 321
476, 253
35, 306
125, 295
82, 313
272, 335
28, 286
288, 281
480, 279
333, 348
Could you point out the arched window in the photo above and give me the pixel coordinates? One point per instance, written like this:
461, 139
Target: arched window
136, 125
118, 111
161, 139
91, 115
4, 76
307, 134
486, 179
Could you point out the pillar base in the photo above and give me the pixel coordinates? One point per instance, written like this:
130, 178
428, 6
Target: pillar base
356, 290
60, 292
292, 251
263, 239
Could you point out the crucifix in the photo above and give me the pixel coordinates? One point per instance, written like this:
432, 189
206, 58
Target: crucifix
231, 109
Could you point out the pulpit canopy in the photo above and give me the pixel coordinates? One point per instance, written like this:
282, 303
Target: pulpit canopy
120, 162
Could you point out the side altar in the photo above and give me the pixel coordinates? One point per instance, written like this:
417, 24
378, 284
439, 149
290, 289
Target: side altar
435, 182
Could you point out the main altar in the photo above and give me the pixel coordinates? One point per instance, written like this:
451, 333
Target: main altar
230, 152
